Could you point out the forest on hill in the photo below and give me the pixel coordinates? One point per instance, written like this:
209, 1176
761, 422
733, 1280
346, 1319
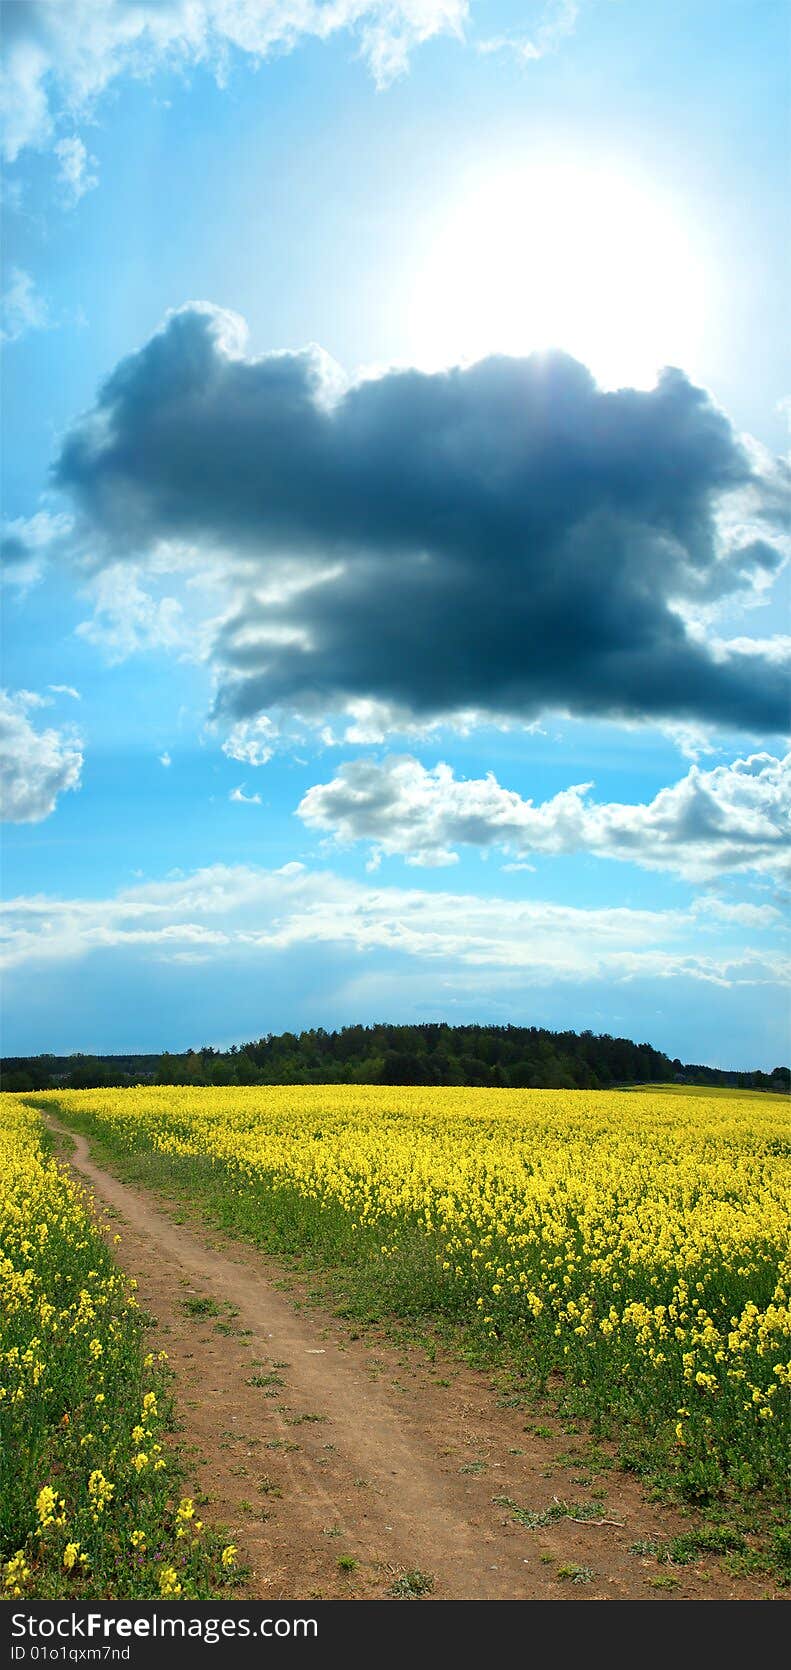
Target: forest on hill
508, 1057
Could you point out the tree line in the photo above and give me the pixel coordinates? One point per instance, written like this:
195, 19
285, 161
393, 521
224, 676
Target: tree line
506, 1057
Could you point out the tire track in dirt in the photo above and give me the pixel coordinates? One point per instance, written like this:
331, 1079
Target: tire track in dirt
361, 1449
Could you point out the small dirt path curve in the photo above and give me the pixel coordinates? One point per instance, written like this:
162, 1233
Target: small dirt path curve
314, 1446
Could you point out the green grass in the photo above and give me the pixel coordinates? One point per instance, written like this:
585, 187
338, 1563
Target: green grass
200, 1307
411, 1585
684, 1550
574, 1574
537, 1520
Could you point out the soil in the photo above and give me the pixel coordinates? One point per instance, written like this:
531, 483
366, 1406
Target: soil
311, 1443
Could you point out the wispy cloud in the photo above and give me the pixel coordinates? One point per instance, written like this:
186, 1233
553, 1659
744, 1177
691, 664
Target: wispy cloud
251, 741
128, 620
61, 58
23, 307
249, 913
556, 23
76, 170
28, 542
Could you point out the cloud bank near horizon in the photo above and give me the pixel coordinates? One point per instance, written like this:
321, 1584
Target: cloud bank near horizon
244, 914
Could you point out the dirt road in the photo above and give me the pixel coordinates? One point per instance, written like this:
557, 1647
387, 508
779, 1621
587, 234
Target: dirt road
315, 1446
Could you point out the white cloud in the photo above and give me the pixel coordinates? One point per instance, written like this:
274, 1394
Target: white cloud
731, 818
165, 759
26, 543
23, 308
35, 766
127, 619
776, 649
243, 799
692, 741
248, 913
60, 58
361, 721
65, 690
743, 915
371, 721
75, 173
252, 741
557, 22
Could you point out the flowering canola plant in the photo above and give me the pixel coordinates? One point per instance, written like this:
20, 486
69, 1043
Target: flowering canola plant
635, 1242
80, 1514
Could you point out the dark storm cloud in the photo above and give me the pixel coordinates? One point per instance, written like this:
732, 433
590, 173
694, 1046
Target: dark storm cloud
501, 538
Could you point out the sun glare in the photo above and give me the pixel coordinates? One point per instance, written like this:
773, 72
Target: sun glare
555, 255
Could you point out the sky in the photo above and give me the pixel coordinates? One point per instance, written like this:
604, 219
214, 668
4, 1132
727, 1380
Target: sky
395, 520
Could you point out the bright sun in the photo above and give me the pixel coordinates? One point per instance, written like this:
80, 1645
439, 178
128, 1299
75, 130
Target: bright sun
558, 255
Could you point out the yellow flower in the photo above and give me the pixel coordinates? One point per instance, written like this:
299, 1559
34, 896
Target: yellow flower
626, 1238
46, 1502
16, 1572
138, 1539
228, 1556
140, 1461
70, 1554
168, 1581
50, 1508
100, 1490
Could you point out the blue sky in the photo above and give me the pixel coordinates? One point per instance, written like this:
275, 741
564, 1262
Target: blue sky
352, 673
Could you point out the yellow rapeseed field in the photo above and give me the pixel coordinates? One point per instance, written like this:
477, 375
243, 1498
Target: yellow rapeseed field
636, 1243
89, 1502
